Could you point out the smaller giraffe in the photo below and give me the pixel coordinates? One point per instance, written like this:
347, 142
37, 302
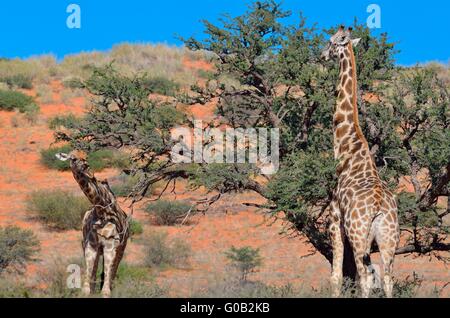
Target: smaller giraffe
105, 226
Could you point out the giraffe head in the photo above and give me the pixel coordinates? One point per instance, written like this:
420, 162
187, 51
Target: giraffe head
77, 161
338, 43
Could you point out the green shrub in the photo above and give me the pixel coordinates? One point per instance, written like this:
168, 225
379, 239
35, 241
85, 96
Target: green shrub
136, 227
107, 158
10, 100
246, 260
160, 252
58, 209
97, 160
18, 80
67, 121
49, 160
17, 247
161, 85
168, 212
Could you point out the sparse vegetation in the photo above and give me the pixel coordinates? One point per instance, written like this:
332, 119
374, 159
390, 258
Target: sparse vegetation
44, 93
160, 252
161, 85
11, 100
66, 121
136, 227
58, 209
49, 160
18, 81
245, 259
17, 248
168, 212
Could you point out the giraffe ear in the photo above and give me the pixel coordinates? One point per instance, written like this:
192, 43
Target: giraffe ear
355, 42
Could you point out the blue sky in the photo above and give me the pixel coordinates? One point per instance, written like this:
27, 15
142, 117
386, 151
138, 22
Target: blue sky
421, 28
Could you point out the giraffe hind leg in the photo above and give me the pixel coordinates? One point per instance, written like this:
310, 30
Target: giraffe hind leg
387, 239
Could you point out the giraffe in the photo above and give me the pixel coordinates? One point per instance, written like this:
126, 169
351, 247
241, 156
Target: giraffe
105, 225
362, 209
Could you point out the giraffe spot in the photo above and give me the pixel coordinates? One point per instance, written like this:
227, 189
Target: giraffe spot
338, 119
357, 147
341, 131
349, 87
346, 106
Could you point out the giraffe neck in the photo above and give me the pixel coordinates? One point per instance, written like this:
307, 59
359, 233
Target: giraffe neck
350, 145
88, 187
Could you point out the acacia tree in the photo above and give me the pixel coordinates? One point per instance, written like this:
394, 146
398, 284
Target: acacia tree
268, 75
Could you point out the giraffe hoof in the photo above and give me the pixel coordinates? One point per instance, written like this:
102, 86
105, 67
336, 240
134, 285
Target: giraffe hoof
106, 294
86, 291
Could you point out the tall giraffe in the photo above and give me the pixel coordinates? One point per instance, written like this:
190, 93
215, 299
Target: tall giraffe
363, 208
105, 226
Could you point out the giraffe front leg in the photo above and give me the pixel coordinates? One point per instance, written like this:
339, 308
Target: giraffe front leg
109, 258
91, 259
337, 241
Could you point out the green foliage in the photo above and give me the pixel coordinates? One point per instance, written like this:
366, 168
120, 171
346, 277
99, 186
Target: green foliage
123, 115
49, 160
10, 100
160, 252
58, 209
18, 81
245, 259
168, 212
161, 85
66, 121
97, 160
136, 228
107, 158
17, 248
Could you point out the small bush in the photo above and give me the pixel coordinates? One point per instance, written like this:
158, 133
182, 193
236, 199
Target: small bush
246, 260
67, 121
59, 209
168, 212
45, 94
10, 100
161, 85
135, 227
18, 80
160, 252
49, 160
107, 158
31, 113
17, 248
